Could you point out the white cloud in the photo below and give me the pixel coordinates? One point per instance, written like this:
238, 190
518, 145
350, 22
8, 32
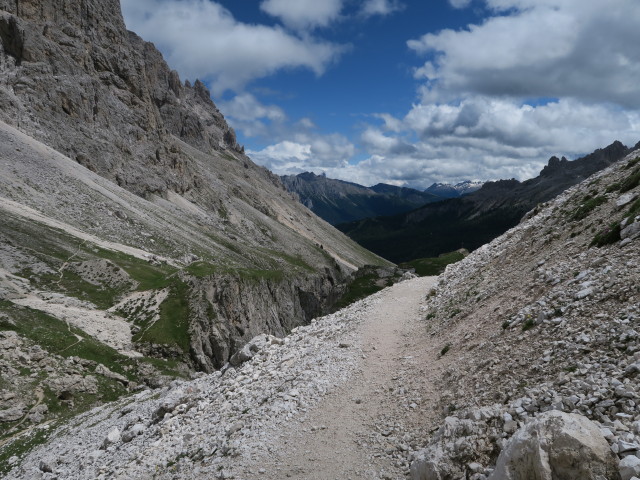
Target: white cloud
306, 152
460, 3
303, 14
480, 138
201, 39
377, 142
559, 126
247, 107
546, 48
306, 123
246, 113
380, 7
536, 78
487, 109
491, 138
391, 123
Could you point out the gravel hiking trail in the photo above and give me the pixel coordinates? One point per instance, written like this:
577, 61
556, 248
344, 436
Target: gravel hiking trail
343, 437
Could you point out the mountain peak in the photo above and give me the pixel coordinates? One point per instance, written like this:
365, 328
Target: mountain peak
338, 201
448, 190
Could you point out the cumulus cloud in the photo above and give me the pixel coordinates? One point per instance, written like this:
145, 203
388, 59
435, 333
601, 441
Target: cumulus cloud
490, 138
479, 138
375, 141
559, 126
546, 48
536, 78
245, 106
303, 14
201, 39
380, 7
306, 152
246, 113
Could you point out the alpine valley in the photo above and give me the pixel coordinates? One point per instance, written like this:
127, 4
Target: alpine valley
337, 201
169, 310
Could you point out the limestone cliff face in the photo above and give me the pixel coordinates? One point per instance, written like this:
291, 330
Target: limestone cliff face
228, 311
73, 78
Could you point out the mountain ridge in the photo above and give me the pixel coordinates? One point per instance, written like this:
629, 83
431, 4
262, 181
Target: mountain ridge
337, 201
475, 219
448, 190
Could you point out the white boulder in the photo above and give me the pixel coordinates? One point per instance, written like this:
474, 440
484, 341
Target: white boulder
557, 446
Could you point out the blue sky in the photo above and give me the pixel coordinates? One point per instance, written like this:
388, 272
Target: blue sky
409, 92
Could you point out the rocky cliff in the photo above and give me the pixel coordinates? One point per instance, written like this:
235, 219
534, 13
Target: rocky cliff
74, 78
132, 222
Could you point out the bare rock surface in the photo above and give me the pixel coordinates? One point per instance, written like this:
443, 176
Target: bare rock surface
542, 319
323, 389
557, 445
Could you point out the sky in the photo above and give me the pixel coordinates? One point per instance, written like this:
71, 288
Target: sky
409, 92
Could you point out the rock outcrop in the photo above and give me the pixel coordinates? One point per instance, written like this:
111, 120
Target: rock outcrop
558, 446
246, 307
73, 77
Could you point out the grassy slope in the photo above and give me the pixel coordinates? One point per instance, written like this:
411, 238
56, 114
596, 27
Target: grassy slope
426, 267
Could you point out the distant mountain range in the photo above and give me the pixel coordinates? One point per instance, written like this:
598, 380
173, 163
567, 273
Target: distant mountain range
477, 218
446, 190
337, 201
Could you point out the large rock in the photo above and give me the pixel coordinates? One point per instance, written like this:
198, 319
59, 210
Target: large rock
630, 231
12, 414
73, 384
557, 446
457, 443
433, 465
629, 467
249, 350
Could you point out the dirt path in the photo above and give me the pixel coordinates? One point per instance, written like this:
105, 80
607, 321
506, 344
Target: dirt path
340, 437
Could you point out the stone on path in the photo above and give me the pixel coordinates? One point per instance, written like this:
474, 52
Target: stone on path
557, 446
